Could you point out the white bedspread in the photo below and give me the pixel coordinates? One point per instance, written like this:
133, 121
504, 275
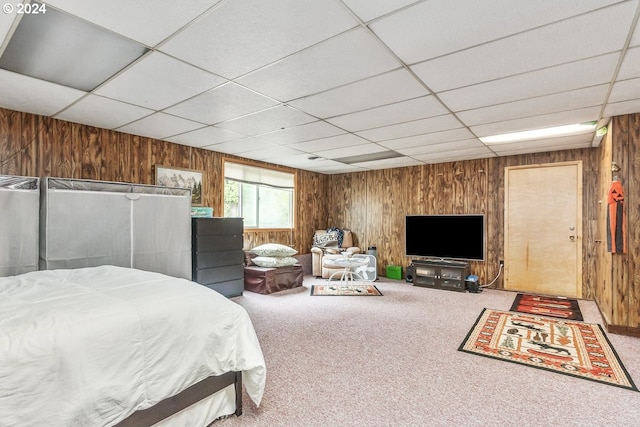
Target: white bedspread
89, 346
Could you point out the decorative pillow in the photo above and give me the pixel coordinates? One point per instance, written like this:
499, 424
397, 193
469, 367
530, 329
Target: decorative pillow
274, 249
272, 261
322, 240
340, 234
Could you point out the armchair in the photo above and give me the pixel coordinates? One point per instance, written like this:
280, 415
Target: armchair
329, 244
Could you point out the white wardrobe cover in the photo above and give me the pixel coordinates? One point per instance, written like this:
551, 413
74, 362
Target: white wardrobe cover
19, 210
87, 223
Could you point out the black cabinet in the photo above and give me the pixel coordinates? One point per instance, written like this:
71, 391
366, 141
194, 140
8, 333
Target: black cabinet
217, 255
440, 274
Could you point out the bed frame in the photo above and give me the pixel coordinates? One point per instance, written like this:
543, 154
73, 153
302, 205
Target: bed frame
16, 188
186, 398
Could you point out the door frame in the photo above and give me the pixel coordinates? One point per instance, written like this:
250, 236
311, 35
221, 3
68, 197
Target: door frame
579, 212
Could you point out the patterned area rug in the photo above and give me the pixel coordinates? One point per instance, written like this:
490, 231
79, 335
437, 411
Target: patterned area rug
360, 290
569, 347
564, 308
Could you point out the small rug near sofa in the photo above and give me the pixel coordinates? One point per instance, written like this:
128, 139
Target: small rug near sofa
569, 347
564, 308
359, 290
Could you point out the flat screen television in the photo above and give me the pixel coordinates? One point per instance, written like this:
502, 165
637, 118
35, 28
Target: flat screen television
456, 237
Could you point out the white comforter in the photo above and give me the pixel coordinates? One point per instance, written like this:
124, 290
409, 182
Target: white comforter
89, 346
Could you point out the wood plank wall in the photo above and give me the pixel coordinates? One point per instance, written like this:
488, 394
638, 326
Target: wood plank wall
32, 145
618, 286
373, 204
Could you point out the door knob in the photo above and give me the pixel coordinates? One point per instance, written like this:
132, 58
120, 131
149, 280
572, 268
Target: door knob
572, 238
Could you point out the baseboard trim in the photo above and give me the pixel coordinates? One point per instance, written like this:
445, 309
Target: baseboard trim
618, 329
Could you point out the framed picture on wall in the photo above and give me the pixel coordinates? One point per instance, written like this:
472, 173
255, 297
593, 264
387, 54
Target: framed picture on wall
168, 176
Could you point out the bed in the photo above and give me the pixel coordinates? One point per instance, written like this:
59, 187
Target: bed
96, 344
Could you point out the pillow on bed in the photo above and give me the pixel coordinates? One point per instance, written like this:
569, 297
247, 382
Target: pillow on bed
273, 261
274, 249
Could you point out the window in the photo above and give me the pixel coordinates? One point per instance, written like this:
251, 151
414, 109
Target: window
263, 197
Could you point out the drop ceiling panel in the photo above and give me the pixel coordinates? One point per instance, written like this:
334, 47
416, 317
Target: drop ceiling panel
160, 126
23, 93
619, 108
556, 102
375, 91
269, 120
412, 128
147, 21
630, 67
275, 152
243, 35
428, 139
495, 60
625, 90
346, 140
343, 59
405, 111
303, 161
205, 136
158, 81
537, 122
338, 153
442, 147
399, 162
306, 132
242, 145
464, 154
368, 10
575, 75
225, 102
411, 32
103, 112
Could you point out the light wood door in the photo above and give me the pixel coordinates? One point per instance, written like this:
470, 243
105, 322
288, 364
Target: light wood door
543, 232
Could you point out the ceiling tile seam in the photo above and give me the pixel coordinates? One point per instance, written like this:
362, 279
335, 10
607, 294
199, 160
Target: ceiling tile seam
536, 115
623, 53
206, 12
531, 71
518, 33
340, 86
89, 94
386, 15
418, 79
265, 66
530, 98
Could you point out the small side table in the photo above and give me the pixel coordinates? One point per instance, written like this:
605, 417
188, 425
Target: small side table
347, 275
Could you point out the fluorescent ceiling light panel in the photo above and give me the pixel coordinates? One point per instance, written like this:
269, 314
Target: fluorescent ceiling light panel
62, 49
540, 133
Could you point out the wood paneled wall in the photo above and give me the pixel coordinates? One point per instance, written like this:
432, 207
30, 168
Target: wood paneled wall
618, 279
373, 204
32, 145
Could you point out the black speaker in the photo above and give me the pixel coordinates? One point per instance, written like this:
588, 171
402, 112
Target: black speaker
409, 273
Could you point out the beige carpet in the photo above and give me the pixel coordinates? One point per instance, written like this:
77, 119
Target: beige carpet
393, 361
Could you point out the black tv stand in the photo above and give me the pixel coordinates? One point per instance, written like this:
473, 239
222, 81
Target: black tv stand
440, 274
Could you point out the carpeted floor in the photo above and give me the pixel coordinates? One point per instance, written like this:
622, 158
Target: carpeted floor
394, 361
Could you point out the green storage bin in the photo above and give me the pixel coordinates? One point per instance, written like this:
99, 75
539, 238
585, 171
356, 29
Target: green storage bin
394, 272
